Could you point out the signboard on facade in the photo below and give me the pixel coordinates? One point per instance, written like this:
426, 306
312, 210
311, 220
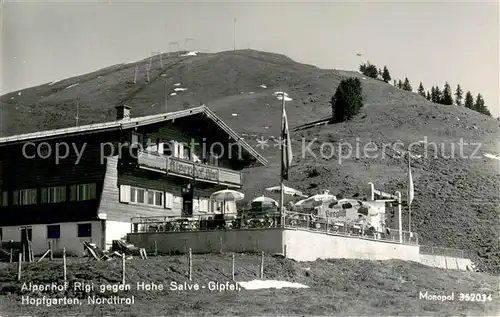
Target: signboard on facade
193, 170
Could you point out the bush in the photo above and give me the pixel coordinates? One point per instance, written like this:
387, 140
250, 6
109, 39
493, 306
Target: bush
347, 100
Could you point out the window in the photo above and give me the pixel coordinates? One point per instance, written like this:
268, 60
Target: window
83, 192
84, 230
4, 199
137, 139
159, 199
146, 196
24, 197
54, 194
53, 232
168, 149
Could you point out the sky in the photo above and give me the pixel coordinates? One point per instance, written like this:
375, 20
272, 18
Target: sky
431, 42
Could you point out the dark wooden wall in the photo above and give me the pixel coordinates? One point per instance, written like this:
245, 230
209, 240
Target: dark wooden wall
20, 172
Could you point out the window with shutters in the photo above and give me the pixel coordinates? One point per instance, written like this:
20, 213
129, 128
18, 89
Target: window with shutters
82, 192
144, 196
53, 194
24, 196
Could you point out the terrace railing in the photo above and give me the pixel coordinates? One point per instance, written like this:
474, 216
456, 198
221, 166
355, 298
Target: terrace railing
258, 220
457, 253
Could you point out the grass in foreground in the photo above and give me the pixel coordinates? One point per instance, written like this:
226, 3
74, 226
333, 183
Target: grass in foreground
336, 287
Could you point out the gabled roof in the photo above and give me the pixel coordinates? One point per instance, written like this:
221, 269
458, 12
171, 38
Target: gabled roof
132, 123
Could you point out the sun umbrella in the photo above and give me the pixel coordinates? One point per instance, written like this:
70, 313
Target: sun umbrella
286, 191
227, 195
264, 200
316, 200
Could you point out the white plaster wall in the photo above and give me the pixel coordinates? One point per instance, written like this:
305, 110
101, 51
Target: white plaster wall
68, 238
309, 246
116, 230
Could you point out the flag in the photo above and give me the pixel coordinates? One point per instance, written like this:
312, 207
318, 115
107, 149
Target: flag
410, 182
286, 147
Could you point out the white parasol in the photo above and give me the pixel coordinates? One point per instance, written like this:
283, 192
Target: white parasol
263, 199
227, 195
316, 200
286, 191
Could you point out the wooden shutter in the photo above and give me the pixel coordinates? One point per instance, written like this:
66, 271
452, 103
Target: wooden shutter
169, 200
160, 147
45, 196
124, 193
72, 190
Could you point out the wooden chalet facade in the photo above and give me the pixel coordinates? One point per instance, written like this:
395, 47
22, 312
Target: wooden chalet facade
84, 184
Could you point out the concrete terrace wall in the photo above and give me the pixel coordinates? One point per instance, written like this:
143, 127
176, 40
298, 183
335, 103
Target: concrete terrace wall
300, 245
445, 262
267, 240
304, 245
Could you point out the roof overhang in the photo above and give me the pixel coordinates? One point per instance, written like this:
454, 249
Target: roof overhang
130, 124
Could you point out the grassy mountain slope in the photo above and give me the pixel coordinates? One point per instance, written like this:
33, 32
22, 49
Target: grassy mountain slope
457, 201
336, 287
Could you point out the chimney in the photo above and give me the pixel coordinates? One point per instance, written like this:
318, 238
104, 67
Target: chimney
122, 112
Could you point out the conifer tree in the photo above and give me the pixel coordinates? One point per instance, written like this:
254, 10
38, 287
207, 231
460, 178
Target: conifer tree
400, 84
469, 101
386, 76
421, 90
447, 98
480, 106
459, 95
433, 94
347, 100
407, 86
428, 96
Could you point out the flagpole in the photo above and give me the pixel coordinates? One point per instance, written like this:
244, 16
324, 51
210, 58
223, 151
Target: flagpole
410, 192
282, 139
409, 218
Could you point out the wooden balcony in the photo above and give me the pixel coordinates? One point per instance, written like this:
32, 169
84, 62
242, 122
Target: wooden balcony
188, 169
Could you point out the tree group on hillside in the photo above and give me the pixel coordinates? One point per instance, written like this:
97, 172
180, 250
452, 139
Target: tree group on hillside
369, 70
347, 100
372, 71
445, 96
